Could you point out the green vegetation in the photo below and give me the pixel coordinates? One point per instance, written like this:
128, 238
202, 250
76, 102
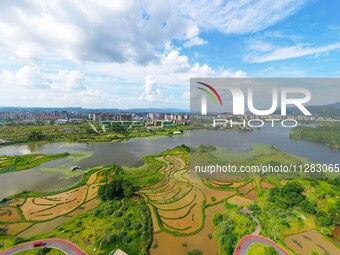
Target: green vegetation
124, 224
22, 162
328, 133
298, 206
261, 154
195, 252
121, 222
230, 227
117, 188
288, 196
259, 248
148, 173
77, 133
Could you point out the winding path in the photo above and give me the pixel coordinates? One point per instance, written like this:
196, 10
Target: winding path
244, 244
246, 211
63, 245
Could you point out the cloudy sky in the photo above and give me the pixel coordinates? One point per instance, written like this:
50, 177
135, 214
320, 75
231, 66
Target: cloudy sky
138, 54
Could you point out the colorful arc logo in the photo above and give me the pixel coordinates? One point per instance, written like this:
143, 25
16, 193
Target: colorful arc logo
211, 93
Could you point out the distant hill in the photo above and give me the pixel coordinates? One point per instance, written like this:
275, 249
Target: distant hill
329, 110
84, 110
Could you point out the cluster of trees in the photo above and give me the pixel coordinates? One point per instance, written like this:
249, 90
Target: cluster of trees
118, 188
328, 134
288, 196
230, 227
36, 136
291, 195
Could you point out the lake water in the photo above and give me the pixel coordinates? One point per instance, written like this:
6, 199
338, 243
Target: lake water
129, 153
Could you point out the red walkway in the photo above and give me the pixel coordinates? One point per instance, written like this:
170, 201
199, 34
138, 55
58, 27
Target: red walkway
248, 240
63, 245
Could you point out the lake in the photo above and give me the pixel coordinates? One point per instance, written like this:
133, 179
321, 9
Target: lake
130, 152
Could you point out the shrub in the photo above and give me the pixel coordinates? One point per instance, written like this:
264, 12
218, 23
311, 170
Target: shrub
18, 239
145, 236
117, 214
108, 210
308, 207
324, 219
126, 239
127, 222
43, 251
136, 225
195, 252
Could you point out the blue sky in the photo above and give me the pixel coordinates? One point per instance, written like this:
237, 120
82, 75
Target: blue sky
139, 54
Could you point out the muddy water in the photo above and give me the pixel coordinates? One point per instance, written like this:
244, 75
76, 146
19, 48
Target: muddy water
170, 245
43, 228
312, 240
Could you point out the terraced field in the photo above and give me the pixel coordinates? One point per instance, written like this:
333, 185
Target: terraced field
182, 206
177, 205
21, 215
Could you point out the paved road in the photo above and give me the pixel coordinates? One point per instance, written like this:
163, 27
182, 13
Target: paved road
93, 127
257, 230
248, 240
63, 245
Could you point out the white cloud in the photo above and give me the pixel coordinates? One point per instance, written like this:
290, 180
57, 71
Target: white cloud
334, 27
174, 62
125, 31
26, 76
194, 41
71, 80
100, 31
259, 45
151, 91
289, 52
239, 16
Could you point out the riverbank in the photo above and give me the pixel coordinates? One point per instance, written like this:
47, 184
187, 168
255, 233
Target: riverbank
22, 162
83, 133
328, 134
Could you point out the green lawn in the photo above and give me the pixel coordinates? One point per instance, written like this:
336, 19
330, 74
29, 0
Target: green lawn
22, 162
256, 249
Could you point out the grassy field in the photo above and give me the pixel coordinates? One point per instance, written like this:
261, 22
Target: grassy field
261, 154
256, 249
22, 162
76, 133
122, 224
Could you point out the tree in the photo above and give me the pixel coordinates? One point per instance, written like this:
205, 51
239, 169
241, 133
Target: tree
288, 196
43, 251
270, 250
324, 219
35, 136
117, 188
308, 207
